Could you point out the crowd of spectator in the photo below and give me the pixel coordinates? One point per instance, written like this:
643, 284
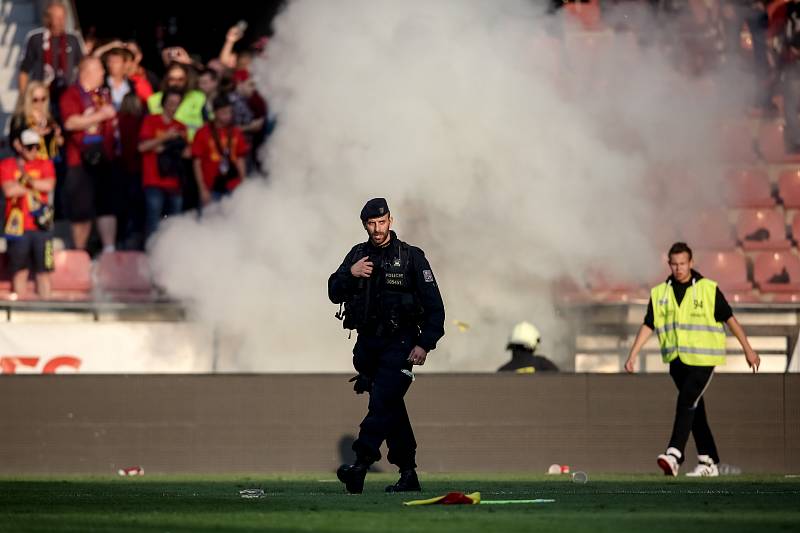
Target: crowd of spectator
101, 141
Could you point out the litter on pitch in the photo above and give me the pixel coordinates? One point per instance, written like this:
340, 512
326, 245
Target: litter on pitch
131, 471
251, 493
459, 498
556, 468
580, 477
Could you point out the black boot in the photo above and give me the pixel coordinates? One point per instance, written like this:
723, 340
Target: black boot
353, 477
408, 482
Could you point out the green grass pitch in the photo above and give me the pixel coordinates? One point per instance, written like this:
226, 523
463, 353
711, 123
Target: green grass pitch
611, 503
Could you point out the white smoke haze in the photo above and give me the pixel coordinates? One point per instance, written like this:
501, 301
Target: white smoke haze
509, 166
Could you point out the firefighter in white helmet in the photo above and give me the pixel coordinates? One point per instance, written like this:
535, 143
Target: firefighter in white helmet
522, 342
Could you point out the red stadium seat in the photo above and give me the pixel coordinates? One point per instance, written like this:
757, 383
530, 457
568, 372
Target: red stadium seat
634, 295
771, 144
789, 188
736, 141
72, 277
786, 297
605, 288
708, 229
777, 272
749, 188
796, 227
762, 229
740, 297
727, 268
124, 275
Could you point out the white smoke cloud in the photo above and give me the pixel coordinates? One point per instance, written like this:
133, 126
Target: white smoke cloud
510, 166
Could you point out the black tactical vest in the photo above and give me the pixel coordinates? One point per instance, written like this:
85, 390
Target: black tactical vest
389, 304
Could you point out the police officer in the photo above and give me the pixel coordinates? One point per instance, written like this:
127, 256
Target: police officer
389, 295
687, 312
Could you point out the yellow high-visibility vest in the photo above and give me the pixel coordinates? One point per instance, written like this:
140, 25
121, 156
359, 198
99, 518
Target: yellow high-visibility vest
689, 331
189, 113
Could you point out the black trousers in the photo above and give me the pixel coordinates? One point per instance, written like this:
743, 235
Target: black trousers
690, 413
383, 359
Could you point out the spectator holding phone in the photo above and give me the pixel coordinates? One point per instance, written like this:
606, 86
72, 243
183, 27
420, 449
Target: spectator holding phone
227, 56
179, 77
163, 144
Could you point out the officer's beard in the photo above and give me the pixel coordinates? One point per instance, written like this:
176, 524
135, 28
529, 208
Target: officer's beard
377, 236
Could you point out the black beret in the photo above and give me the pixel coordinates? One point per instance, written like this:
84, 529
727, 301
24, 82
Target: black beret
377, 207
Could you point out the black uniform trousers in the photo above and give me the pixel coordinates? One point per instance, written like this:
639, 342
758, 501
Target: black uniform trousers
383, 360
690, 413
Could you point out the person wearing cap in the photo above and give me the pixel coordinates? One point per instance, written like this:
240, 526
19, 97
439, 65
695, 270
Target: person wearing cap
687, 312
28, 182
218, 151
388, 293
522, 343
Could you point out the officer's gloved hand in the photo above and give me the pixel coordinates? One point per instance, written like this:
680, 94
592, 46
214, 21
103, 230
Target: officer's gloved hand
362, 383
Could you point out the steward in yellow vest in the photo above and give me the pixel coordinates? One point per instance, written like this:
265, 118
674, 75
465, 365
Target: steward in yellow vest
692, 329
687, 312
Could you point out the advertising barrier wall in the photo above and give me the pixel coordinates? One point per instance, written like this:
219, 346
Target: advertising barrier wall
162, 347
105, 348
463, 422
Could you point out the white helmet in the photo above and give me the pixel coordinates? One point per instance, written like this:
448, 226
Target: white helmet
526, 335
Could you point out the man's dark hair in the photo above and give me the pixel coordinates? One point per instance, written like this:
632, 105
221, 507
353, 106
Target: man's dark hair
170, 92
679, 248
124, 53
227, 83
220, 101
209, 72
191, 82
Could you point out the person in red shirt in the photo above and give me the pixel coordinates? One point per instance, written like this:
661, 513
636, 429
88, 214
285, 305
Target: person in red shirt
218, 152
90, 187
28, 182
163, 144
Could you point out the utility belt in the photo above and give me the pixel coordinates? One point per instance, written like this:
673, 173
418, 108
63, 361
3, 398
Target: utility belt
388, 328
398, 321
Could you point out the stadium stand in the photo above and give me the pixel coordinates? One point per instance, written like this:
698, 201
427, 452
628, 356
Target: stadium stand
124, 276
749, 187
71, 279
771, 143
736, 142
777, 272
789, 188
762, 229
709, 229
727, 268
